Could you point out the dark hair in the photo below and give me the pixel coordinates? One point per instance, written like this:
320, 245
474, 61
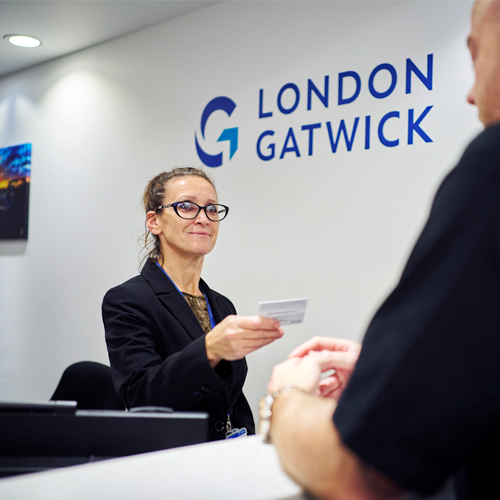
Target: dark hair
153, 197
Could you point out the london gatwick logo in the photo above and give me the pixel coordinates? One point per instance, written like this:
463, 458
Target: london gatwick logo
229, 134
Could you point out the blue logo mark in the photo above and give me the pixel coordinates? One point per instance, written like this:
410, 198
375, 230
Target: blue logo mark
228, 134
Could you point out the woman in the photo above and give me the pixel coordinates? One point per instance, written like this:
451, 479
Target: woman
172, 341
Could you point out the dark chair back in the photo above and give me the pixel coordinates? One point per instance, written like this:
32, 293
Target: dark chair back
89, 384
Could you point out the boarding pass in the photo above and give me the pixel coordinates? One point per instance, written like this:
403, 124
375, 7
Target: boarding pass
287, 312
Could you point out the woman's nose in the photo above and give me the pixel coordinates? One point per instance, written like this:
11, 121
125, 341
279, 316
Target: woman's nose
202, 218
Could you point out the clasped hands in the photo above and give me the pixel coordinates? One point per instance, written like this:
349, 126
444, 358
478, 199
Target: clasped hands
308, 363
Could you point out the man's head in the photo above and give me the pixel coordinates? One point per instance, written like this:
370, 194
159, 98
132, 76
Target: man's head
484, 45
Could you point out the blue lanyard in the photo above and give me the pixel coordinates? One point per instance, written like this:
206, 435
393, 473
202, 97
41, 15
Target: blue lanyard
210, 314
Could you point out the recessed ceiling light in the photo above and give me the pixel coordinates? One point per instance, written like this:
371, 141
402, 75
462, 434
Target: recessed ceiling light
22, 40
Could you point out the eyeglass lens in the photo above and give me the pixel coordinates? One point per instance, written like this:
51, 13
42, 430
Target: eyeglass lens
189, 210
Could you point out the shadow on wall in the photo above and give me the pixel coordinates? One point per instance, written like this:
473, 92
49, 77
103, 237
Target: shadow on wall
13, 248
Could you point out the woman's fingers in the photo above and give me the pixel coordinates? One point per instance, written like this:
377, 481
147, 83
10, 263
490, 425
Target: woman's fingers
237, 336
253, 322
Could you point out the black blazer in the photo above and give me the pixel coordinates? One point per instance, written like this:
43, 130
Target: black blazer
157, 352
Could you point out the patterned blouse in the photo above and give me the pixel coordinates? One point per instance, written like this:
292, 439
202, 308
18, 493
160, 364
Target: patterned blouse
199, 306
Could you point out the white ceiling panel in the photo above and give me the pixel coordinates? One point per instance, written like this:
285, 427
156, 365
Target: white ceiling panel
71, 25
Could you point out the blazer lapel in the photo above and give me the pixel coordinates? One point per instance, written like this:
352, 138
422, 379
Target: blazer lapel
214, 305
171, 299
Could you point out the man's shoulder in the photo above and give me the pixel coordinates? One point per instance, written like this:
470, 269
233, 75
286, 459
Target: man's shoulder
478, 172
484, 151
490, 133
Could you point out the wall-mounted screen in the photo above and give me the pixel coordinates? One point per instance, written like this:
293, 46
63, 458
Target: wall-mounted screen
15, 176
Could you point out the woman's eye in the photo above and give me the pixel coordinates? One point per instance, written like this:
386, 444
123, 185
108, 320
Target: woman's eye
187, 207
212, 209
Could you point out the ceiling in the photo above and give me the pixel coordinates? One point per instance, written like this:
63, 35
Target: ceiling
66, 26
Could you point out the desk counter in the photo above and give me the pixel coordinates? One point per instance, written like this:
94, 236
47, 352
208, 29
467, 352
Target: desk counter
242, 469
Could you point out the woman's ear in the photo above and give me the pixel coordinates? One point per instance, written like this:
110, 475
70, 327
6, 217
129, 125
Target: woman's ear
152, 223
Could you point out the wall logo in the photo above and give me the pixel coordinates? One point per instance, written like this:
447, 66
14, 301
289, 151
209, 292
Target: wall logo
229, 134
318, 117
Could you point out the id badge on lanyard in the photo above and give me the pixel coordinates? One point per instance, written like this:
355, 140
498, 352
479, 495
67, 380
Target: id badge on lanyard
234, 433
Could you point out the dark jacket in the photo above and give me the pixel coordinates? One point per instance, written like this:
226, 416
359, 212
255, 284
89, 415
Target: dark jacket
157, 352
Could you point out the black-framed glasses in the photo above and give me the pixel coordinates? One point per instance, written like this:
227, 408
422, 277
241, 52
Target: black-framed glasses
190, 210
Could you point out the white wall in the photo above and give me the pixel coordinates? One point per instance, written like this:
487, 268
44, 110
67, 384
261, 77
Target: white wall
335, 228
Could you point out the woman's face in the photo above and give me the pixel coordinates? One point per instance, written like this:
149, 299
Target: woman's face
185, 237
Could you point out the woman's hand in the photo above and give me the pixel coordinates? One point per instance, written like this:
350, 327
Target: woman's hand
236, 336
340, 355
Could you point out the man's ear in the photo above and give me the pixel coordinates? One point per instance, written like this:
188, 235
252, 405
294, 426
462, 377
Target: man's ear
152, 223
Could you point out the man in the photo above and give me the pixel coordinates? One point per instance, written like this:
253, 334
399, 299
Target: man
423, 401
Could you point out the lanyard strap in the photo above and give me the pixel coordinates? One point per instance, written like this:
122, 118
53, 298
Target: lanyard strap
209, 309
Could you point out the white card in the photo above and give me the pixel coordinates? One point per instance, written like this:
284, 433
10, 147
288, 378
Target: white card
287, 312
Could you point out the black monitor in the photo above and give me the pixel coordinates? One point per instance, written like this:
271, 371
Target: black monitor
40, 436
